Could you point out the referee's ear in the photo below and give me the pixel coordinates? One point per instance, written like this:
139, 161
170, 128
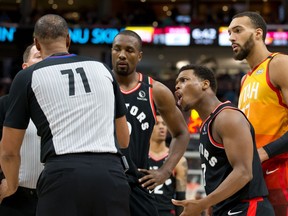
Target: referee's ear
68, 41
36, 42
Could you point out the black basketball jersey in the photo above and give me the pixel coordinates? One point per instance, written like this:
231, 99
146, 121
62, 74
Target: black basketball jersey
216, 167
165, 192
141, 117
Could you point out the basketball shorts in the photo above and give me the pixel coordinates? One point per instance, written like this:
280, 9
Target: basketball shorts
141, 202
275, 172
259, 206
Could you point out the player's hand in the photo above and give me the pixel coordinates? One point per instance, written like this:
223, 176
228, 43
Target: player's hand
191, 207
262, 154
4, 190
153, 178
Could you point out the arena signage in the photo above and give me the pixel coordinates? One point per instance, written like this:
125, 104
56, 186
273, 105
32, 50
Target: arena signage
93, 36
204, 36
7, 34
277, 38
165, 36
177, 36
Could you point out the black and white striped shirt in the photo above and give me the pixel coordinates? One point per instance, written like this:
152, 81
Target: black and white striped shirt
72, 100
30, 167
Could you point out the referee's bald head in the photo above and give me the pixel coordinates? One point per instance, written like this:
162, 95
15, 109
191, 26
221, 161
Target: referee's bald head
50, 27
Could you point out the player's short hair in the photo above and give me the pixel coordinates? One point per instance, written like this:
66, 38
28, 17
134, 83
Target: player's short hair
133, 34
202, 72
256, 19
26, 53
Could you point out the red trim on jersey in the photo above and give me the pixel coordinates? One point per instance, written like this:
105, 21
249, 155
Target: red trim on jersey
136, 87
150, 81
242, 81
165, 155
212, 112
213, 142
252, 209
158, 158
273, 88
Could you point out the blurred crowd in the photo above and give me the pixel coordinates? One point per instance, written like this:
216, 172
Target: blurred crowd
149, 14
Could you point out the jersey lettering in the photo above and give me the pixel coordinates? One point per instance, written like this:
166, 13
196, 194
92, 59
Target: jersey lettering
211, 159
140, 116
250, 91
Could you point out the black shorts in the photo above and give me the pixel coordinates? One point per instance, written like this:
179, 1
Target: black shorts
167, 212
259, 206
83, 184
22, 202
141, 202
8, 211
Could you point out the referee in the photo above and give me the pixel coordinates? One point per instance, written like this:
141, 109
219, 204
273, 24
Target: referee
24, 201
79, 113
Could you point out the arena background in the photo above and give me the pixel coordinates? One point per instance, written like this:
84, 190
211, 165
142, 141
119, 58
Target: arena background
175, 32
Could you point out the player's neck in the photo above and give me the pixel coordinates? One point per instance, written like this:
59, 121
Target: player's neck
158, 148
208, 105
128, 82
257, 56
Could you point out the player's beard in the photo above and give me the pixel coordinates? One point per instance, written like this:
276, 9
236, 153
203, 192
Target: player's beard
245, 49
123, 71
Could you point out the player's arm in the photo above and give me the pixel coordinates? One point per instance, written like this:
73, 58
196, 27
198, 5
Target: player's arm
3, 109
166, 105
232, 129
278, 76
10, 160
16, 121
122, 132
181, 171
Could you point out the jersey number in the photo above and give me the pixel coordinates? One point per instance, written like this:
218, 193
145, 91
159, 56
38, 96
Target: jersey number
83, 76
203, 166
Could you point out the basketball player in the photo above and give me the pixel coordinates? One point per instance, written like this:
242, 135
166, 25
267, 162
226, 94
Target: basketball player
175, 185
230, 163
143, 96
264, 98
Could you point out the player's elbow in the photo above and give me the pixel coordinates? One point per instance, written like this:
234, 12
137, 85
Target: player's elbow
246, 175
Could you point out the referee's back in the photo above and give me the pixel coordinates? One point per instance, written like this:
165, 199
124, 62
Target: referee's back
79, 112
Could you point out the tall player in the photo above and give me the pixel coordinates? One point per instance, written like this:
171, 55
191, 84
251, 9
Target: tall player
142, 95
264, 98
230, 163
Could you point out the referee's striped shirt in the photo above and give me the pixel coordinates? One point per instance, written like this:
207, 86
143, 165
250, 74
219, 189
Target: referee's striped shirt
30, 167
73, 102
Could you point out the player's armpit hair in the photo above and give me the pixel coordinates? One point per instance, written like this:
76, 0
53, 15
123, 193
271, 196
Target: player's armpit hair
278, 146
180, 195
